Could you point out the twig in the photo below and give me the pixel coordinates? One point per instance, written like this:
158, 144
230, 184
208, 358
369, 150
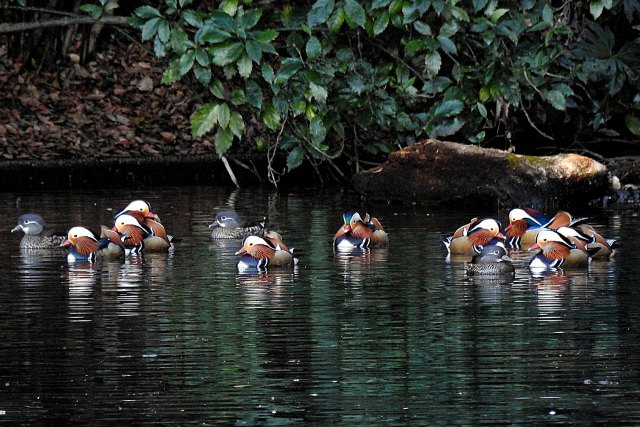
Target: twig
400, 60
226, 164
61, 22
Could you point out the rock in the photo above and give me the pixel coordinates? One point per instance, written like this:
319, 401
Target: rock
447, 173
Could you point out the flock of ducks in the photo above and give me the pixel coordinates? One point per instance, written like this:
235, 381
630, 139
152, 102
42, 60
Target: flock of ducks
559, 242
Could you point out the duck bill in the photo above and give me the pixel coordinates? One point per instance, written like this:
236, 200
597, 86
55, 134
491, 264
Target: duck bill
242, 251
214, 224
16, 228
347, 228
66, 243
534, 247
150, 215
508, 227
500, 236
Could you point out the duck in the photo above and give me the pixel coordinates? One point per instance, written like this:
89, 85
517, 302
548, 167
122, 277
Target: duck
227, 226
471, 237
555, 250
35, 236
354, 233
84, 244
524, 225
491, 261
606, 247
132, 234
158, 240
262, 252
379, 238
110, 244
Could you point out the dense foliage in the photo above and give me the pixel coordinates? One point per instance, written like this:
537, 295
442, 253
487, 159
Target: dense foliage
357, 78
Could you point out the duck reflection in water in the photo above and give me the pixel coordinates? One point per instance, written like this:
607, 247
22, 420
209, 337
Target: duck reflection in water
266, 289
81, 278
358, 264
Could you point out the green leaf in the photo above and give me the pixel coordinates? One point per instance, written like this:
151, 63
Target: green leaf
422, 28
159, 48
557, 100
355, 12
497, 14
202, 57
295, 158
150, 28
381, 23
164, 31
249, 19
171, 74
289, 66
479, 4
204, 119
448, 108
236, 124
230, 7
186, 62
147, 12
482, 109
209, 34
271, 116
222, 21
94, 11
267, 73
484, 94
318, 92
217, 89
317, 130
254, 51
447, 45
254, 94
596, 7
433, 62
223, 115
226, 54
377, 4
192, 18
313, 48
245, 66
320, 12
266, 36
238, 97
223, 141
336, 20
633, 124
203, 74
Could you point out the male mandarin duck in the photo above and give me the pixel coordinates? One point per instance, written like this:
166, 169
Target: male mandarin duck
557, 251
355, 233
132, 233
491, 261
157, 240
227, 226
607, 246
259, 253
35, 237
524, 225
470, 238
110, 243
84, 245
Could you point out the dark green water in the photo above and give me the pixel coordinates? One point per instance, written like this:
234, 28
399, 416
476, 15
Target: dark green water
394, 337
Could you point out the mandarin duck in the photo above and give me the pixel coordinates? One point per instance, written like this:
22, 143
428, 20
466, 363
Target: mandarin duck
470, 238
84, 245
110, 243
158, 240
607, 246
227, 226
258, 253
491, 261
356, 234
556, 250
132, 233
524, 225
35, 237
379, 237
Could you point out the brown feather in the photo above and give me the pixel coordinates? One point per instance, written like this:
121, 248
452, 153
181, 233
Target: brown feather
85, 245
361, 231
133, 235
561, 219
518, 228
553, 250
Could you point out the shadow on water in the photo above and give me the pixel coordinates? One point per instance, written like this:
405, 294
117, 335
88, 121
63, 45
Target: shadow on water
397, 336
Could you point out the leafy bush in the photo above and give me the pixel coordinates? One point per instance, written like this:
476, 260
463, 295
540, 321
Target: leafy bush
349, 77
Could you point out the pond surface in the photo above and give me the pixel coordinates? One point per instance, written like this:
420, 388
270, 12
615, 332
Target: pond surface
397, 336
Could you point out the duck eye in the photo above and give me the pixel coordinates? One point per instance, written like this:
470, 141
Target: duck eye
223, 218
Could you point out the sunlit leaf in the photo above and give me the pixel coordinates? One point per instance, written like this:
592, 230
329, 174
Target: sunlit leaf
204, 119
223, 141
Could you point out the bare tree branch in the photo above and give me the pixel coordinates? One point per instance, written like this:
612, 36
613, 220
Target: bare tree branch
61, 22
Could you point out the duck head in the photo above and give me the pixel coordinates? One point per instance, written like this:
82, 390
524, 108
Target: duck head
484, 231
142, 207
519, 222
30, 223
257, 247
226, 219
553, 244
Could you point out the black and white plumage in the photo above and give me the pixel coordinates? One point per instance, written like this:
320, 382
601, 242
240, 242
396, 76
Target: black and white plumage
227, 226
35, 236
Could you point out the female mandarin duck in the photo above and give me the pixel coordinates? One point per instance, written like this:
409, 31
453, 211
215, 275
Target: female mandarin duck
227, 226
35, 237
491, 261
606, 247
157, 240
557, 251
132, 233
259, 253
470, 238
84, 245
524, 225
356, 233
